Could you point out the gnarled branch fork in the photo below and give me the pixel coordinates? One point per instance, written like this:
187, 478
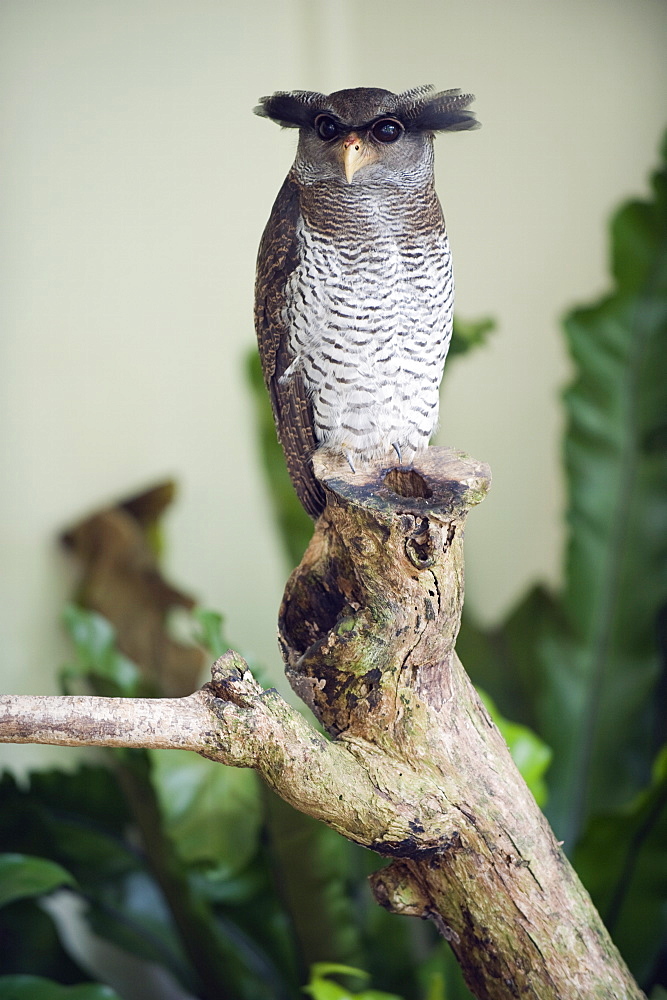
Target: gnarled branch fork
415, 769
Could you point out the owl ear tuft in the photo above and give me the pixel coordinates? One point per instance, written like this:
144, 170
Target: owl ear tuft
446, 111
291, 109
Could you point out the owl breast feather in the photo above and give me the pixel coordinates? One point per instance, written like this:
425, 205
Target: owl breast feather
369, 321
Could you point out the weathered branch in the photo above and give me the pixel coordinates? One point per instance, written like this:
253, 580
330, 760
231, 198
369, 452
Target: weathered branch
85, 720
415, 770
234, 721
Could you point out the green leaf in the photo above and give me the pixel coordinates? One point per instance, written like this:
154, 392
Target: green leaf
219, 952
529, 753
321, 987
211, 635
599, 674
212, 813
321, 970
324, 989
376, 995
97, 657
630, 887
79, 820
36, 988
435, 990
468, 334
22, 876
132, 914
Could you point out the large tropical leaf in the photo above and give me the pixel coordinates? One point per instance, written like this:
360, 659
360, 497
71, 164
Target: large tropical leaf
600, 672
212, 813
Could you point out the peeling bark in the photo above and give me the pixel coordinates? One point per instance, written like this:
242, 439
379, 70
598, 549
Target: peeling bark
414, 769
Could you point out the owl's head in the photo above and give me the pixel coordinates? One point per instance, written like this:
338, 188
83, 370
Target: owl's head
367, 134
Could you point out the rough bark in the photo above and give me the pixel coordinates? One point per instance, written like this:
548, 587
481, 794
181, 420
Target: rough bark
415, 768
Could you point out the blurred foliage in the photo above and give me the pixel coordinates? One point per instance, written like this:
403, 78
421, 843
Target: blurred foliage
22, 876
36, 988
200, 869
629, 887
97, 660
322, 987
600, 672
468, 334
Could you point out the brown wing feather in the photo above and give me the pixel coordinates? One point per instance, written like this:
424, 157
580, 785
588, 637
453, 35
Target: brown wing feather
292, 409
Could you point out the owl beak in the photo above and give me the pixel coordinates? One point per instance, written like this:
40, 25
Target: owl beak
355, 153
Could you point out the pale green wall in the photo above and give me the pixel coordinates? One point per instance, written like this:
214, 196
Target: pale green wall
135, 186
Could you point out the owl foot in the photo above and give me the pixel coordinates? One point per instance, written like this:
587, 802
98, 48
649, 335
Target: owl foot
349, 460
397, 449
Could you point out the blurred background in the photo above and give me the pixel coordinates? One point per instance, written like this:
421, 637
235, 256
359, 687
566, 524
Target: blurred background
135, 186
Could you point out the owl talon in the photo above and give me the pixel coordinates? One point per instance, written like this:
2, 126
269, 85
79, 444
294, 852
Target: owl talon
349, 461
397, 449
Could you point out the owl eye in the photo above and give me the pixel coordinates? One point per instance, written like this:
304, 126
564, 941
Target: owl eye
326, 127
387, 130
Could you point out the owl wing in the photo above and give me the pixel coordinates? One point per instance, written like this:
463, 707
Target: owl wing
292, 409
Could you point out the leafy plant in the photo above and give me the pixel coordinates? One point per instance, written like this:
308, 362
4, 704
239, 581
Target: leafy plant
26, 930
322, 987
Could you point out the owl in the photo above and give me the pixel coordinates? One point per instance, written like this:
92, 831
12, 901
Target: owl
354, 291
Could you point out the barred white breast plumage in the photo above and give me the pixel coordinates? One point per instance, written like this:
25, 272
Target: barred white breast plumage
354, 296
